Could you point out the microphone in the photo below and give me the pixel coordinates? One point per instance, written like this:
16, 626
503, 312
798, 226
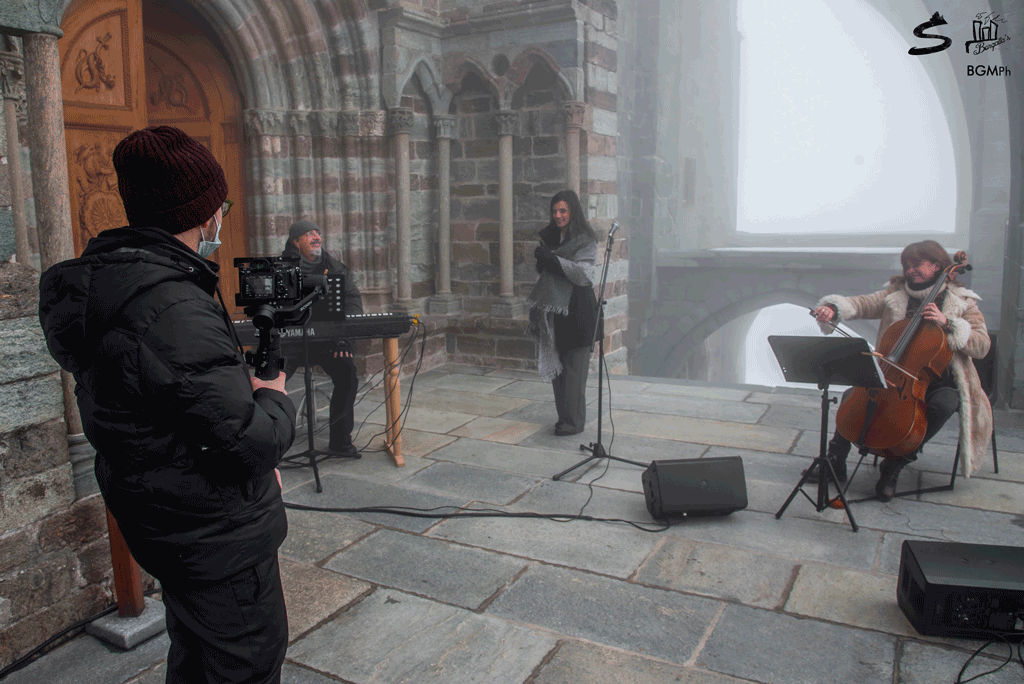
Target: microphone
615, 227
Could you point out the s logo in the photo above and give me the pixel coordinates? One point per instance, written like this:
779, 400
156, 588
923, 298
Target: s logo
936, 20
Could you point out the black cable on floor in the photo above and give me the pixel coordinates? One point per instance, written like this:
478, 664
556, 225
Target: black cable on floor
66, 632
471, 513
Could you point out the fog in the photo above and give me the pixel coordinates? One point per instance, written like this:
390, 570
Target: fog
839, 129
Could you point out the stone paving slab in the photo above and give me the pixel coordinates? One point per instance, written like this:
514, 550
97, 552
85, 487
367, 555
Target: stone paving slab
497, 430
460, 401
480, 384
395, 638
702, 391
313, 594
790, 537
507, 458
569, 499
511, 373
534, 391
631, 447
87, 659
618, 383
542, 412
353, 492
597, 547
799, 652
442, 571
472, 483
810, 401
993, 495
577, 661
754, 579
684, 405
926, 664
711, 432
781, 415
662, 624
937, 521
852, 597
313, 536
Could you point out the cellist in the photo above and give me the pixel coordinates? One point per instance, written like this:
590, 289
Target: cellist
956, 312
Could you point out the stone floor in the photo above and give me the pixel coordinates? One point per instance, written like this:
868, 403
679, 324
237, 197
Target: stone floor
383, 598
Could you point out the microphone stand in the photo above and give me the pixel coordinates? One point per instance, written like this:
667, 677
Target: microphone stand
597, 449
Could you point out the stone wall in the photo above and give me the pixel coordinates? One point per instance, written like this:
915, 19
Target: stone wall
54, 554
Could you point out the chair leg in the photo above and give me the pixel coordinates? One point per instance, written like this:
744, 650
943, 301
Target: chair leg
956, 463
995, 452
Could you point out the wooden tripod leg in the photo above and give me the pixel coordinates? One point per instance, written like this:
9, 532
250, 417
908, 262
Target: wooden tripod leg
127, 576
393, 403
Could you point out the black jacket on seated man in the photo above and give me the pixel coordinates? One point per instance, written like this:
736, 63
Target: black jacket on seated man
334, 356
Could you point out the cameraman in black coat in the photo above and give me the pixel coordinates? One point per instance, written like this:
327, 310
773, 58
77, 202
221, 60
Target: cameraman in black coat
186, 441
334, 356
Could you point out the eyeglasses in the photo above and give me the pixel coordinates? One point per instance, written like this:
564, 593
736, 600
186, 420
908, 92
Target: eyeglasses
225, 208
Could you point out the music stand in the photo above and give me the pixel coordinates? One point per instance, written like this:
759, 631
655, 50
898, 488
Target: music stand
331, 307
824, 361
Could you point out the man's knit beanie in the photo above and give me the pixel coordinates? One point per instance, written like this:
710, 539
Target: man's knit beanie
167, 179
300, 228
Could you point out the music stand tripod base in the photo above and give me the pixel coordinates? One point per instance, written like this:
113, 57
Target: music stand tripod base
824, 361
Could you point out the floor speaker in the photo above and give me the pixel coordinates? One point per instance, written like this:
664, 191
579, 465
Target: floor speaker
695, 487
962, 590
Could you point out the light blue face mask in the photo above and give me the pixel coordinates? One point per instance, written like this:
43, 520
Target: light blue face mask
208, 247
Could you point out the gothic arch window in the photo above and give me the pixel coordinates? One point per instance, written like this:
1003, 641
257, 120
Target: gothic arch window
841, 131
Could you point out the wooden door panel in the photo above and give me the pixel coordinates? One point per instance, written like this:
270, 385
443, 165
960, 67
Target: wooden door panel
101, 80
189, 85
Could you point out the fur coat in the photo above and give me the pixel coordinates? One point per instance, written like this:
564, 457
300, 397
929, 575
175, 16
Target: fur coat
967, 336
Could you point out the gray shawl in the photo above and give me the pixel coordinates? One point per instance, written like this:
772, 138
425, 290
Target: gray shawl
552, 294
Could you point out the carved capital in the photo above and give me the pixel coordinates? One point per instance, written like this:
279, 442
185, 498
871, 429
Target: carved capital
444, 126
324, 124
264, 122
372, 123
507, 121
575, 112
350, 123
12, 76
298, 123
402, 119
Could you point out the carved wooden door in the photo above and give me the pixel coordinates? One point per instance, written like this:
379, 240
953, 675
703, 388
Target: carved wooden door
128, 64
104, 86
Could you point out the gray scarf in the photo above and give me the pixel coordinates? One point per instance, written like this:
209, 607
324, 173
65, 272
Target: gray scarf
552, 294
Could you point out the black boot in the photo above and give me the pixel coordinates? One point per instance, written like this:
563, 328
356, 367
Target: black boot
837, 457
889, 474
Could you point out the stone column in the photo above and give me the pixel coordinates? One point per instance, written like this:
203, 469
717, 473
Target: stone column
444, 302
509, 306
50, 171
574, 114
12, 89
401, 123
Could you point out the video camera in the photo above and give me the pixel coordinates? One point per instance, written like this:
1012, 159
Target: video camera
275, 294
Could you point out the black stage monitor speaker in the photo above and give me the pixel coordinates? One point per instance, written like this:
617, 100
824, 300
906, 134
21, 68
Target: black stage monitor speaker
695, 486
962, 590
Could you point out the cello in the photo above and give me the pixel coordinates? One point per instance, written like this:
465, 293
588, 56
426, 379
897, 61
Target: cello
890, 422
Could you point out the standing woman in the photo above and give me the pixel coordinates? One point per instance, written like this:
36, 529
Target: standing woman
564, 309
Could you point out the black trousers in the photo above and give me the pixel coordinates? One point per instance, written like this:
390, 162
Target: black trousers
345, 378
941, 401
570, 388
234, 630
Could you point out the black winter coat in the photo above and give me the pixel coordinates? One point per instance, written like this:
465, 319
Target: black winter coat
577, 329
185, 450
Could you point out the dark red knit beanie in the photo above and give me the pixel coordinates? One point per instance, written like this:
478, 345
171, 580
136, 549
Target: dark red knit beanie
167, 179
